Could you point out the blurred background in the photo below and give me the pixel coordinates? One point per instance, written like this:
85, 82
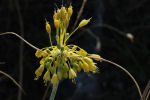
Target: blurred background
119, 31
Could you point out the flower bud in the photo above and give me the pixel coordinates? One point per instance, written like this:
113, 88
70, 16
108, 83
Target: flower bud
54, 79
82, 52
46, 76
57, 23
39, 71
59, 75
81, 64
84, 22
66, 21
96, 57
65, 67
79, 69
38, 54
85, 67
93, 68
55, 16
48, 27
72, 74
58, 14
70, 11
88, 60
42, 61
75, 65
63, 12
75, 70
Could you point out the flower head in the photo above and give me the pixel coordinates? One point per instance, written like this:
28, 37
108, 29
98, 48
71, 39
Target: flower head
64, 61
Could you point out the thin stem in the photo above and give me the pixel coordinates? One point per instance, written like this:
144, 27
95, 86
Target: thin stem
46, 91
50, 39
54, 90
63, 36
21, 48
80, 13
147, 95
146, 92
71, 35
117, 65
60, 34
57, 36
34, 47
12, 80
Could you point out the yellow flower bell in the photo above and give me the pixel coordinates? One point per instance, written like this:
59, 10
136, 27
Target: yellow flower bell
39, 71
72, 74
38, 54
85, 67
88, 60
46, 77
54, 79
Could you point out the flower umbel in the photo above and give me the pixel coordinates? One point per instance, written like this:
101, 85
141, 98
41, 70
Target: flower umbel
64, 61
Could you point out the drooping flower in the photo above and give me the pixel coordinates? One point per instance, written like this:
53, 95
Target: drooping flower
72, 74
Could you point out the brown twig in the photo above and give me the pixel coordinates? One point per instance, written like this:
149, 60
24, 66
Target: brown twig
80, 13
21, 47
117, 65
127, 35
34, 47
45, 93
12, 80
146, 92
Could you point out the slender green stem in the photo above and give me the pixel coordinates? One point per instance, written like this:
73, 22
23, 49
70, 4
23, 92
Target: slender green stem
50, 39
57, 35
64, 33
61, 32
71, 35
53, 93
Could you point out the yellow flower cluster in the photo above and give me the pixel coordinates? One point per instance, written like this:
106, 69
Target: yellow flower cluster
64, 61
